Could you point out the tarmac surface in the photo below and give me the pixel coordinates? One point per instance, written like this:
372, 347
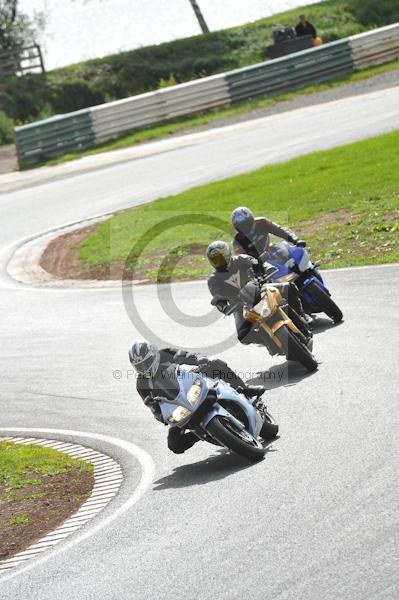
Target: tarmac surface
317, 518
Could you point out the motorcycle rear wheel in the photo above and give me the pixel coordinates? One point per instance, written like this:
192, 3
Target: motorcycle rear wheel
326, 302
295, 349
240, 442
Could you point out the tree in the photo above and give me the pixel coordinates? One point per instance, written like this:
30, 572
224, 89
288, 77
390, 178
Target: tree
16, 28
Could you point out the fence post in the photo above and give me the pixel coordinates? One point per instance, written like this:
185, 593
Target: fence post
39, 51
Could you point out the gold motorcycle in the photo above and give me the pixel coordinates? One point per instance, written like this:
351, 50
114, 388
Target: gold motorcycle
276, 324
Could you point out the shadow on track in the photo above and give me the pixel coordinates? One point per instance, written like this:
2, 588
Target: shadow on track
321, 324
285, 374
205, 471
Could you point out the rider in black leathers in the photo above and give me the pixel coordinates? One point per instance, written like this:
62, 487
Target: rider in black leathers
157, 378
253, 234
230, 275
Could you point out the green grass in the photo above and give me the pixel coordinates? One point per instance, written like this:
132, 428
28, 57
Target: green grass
344, 202
179, 125
17, 461
21, 519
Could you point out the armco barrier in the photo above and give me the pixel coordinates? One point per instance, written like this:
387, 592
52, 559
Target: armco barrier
286, 73
53, 137
112, 119
195, 96
375, 47
83, 129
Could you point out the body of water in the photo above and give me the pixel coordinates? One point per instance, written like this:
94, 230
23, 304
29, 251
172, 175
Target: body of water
77, 30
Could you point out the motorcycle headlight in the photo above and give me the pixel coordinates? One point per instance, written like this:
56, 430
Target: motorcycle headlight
288, 277
179, 414
194, 392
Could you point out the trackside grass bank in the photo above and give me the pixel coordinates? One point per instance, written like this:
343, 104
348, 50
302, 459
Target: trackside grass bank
344, 202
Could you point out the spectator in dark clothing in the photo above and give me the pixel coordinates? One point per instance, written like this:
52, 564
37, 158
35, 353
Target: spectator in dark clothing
304, 27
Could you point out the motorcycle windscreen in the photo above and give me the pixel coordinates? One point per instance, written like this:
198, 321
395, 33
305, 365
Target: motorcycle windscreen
301, 257
186, 380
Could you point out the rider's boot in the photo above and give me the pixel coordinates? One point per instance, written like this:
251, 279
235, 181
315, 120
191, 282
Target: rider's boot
251, 391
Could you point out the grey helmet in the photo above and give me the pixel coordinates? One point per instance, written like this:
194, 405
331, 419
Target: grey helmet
144, 357
219, 255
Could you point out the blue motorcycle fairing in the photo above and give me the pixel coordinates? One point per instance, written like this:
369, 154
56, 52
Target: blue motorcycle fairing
185, 380
223, 390
285, 257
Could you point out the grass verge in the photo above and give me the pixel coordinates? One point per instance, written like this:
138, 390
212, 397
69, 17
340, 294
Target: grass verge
344, 202
17, 460
180, 125
39, 488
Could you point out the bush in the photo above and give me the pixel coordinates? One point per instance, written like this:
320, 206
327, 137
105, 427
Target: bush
6, 129
22, 98
376, 13
70, 96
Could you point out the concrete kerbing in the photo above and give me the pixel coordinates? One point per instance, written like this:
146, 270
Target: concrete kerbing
108, 477
24, 264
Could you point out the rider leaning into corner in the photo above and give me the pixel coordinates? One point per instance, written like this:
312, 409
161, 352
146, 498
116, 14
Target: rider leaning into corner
156, 379
253, 233
230, 275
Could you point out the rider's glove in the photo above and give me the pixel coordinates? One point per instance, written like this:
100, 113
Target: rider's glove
203, 362
223, 306
153, 405
300, 243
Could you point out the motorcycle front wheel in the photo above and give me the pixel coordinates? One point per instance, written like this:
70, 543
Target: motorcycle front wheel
326, 303
239, 441
269, 428
295, 349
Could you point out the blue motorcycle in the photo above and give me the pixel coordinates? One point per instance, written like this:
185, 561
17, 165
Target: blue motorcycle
293, 264
219, 414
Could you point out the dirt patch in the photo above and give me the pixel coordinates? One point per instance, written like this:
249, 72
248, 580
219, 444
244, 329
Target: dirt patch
61, 259
325, 220
8, 159
30, 512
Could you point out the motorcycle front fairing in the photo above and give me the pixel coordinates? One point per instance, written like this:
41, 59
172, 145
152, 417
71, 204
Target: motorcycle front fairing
223, 390
185, 379
296, 259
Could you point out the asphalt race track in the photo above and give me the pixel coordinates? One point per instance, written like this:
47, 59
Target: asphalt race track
317, 518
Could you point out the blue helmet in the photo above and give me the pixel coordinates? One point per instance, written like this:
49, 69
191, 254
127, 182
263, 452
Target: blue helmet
144, 357
243, 220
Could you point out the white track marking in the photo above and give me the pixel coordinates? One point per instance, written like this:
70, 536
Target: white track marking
147, 474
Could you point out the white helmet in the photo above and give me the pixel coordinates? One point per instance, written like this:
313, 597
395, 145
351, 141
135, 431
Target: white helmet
144, 357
